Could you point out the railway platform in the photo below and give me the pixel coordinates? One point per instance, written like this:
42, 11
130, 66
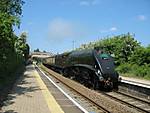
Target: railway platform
136, 81
31, 95
34, 93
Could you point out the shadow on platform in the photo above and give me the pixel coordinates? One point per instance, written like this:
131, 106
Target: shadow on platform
10, 111
22, 87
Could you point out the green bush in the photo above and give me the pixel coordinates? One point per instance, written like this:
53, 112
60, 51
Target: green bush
135, 70
124, 68
141, 71
147, 77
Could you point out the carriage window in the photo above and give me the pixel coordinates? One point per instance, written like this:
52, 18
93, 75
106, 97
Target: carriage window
104, 56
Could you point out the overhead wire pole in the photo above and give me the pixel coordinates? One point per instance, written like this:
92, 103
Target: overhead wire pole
73, 45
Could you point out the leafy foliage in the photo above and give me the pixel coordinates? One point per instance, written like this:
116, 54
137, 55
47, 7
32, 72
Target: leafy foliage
11, 46
21, 46
130, 56
37, 50
141, 56
135, 70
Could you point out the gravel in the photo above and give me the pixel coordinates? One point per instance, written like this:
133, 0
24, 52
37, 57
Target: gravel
100, 99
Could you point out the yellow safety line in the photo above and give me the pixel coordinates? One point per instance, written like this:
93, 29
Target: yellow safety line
51, 102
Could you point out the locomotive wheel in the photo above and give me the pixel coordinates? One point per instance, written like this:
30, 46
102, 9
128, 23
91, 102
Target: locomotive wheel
76, 74
115, 86
86, 77
96, 84
66, 72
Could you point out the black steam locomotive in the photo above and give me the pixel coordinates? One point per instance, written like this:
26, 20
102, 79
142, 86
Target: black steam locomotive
93, 68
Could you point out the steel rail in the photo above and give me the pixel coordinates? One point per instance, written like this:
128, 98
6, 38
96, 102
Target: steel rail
124, 102
92, 101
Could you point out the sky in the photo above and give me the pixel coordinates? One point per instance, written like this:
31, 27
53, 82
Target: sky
60, 25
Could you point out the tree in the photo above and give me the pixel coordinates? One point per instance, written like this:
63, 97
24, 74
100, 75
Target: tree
141, 56
10, 12
37, 50
11, 7
122, 46
21, 45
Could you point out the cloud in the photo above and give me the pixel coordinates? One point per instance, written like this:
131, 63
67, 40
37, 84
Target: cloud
95, 2
141, 17
89, 2
59, 29
84, 3
30, 23
112, 29
80, 2
66, 2
103, 31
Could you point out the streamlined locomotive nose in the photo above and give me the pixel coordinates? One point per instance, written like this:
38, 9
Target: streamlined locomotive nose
107, 67
105, 62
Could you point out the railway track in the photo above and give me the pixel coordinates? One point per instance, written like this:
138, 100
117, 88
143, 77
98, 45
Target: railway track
79, 95
134, 97
107, 102
129, 100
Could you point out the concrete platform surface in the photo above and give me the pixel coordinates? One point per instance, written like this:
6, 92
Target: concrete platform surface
30, 95
136, 80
